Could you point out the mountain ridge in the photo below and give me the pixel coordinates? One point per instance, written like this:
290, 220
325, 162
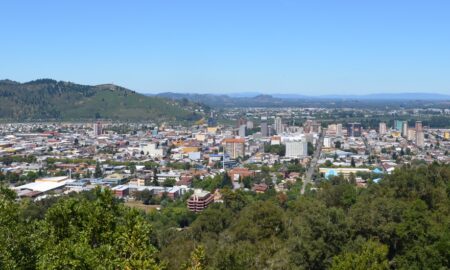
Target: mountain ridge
45, 99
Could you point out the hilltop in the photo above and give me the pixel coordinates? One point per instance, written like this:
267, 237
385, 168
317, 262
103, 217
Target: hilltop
48, 99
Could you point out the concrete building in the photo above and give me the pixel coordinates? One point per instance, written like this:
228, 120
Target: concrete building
339, 130
296, 149
278, 125
199, 200
264, 129
98, 129
405, 129
242, 131
382, 129
234, 147
420, 137
354, 130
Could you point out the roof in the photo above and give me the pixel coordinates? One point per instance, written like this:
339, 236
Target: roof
234, 140
42, 186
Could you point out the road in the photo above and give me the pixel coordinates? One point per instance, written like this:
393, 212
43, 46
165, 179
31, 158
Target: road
312, 165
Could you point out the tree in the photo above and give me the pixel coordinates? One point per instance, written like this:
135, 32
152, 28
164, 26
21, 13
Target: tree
352, 163
310, 149
372, 256
98, 171
76, 142
197, 260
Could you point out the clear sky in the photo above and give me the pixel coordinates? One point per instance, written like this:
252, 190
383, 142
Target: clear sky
280, 46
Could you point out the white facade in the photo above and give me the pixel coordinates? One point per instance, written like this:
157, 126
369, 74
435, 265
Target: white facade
296, 149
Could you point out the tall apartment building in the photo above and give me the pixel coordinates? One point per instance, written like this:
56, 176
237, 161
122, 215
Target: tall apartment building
264, 129
98, 129
339, 130
382, 129
420, 137
234, 147
354, 129
405, 129
242, 131
278, 125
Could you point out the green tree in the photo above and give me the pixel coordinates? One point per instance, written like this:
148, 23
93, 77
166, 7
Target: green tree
372, 256
98, 171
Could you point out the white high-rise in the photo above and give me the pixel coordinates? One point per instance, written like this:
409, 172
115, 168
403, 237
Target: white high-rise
296, 149
278, 125
382, 129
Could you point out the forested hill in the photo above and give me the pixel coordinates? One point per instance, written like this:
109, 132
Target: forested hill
47, 99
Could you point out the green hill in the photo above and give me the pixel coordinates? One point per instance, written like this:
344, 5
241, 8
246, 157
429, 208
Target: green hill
47, 99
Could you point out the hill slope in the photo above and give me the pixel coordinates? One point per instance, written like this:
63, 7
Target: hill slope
49, 99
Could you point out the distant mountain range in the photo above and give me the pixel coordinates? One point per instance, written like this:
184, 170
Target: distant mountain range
254, 99
49, 99
376, 96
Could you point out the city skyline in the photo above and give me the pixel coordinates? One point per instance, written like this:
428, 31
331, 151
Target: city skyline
229, 47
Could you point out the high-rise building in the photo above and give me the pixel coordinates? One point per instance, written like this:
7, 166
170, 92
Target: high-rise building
242, 131
420, 137
249, 124
98, 129
382, 129
296, 149
405, 129
354, 129
264, 129
411, 134
234, 147
398, 125
241, 121
339, 130
278, 125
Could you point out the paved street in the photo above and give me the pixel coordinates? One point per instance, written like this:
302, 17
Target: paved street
310, 171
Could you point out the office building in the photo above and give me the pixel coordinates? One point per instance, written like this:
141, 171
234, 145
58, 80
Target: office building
199, 200
382, 129
234, 147
296, 149
339, 130
98, 129
354, 130
264, 129
278, 125
242, 131
419, 134
398, 125
405, 129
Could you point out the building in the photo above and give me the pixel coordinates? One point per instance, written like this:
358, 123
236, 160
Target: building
354, 129
296, 149
234, 147
242, 131
339, 130
264, 129
250, 124
405, 129
199, 200
382, 129
98, 129
278, 125
411, 134
419, 134
398, 125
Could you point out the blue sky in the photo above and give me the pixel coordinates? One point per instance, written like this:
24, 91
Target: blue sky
304, 47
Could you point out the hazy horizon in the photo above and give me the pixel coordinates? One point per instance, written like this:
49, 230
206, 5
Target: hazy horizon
287, 47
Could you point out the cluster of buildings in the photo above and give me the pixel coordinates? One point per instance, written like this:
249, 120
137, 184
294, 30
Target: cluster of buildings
39, 159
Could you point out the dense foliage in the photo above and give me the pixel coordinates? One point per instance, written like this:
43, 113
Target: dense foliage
402, 222
50, 99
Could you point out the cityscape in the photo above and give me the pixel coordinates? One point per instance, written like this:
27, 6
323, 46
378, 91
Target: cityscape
225, 135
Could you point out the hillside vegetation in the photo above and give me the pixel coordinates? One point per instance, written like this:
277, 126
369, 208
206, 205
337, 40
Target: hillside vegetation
49, 99
401, 223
